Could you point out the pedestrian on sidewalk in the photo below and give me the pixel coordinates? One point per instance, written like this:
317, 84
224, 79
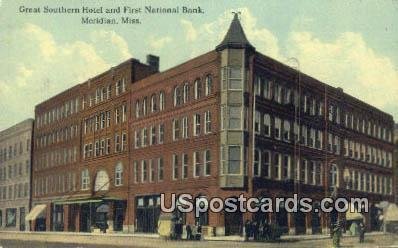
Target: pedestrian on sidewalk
247, 230
189, 232
336, 234
361, 232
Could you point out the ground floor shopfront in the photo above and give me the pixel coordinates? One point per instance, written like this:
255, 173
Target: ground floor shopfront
12, 217
140, 214
80, 215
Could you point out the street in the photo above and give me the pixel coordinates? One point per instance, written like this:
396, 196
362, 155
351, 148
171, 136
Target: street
370, 241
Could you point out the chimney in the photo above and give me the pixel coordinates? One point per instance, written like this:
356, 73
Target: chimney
153, 61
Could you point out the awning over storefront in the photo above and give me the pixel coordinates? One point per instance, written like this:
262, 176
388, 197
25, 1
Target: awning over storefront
353, 213
78, 201
391, 213
354, 216
36, 212
86, 200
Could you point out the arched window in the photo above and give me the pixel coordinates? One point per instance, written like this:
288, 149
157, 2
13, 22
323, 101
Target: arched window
176, 96
186, 93
101, 181
209, 85
85, 179
119, 174
137, 109
153, 103
144, 106
197, 89
161, 101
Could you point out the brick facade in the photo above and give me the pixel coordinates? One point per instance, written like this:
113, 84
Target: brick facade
228, 122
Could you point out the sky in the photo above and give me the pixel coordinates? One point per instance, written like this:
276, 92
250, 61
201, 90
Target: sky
348, 44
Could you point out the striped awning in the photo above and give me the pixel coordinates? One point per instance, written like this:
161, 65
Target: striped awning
36, 211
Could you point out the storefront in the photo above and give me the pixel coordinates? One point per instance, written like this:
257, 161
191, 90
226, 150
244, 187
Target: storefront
147, 213
105, 214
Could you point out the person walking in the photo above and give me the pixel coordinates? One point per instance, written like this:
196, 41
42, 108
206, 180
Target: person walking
247, 230
361, 232
188, 229
336, 234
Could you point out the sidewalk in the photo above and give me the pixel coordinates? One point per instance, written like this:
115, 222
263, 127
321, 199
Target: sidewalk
55, 235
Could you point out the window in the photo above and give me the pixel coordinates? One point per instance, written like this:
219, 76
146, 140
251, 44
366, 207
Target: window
196, 164
108, 146
137, 141
85, 179
151, 170
108, 118
119, 174
124, 142
144, 101
117, 115
235, 117
333, 176
102, 147
117, 143
161, 133
266, 164
257, 86
267, 125
176, 96
153, 103
97, 151
161, 101
235, 78
137, 109
278, 93
185, 93
286, 167
208, 85
277, 128
197, 89
184, 166
175, 167
304, 135
311, 140
207, 122
257, 162
160, 169
11, 217
196, 122
185, 127
277, 166
144, 174
267, 89
257, 122
176, 129
144, 137
124, 112
207, 162
153, 135
286, 130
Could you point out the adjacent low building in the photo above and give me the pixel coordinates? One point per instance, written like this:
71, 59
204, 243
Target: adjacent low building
15, 167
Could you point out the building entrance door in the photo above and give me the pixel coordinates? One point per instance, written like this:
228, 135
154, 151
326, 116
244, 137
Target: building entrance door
22, 219
147, 213
85, 218
233, 223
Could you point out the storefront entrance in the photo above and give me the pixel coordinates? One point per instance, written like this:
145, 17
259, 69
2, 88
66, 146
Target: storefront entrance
147, 213
233, 223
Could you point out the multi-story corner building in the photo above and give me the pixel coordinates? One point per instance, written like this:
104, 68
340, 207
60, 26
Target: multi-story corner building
81, 151
235, 121
229, 122
15, 161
